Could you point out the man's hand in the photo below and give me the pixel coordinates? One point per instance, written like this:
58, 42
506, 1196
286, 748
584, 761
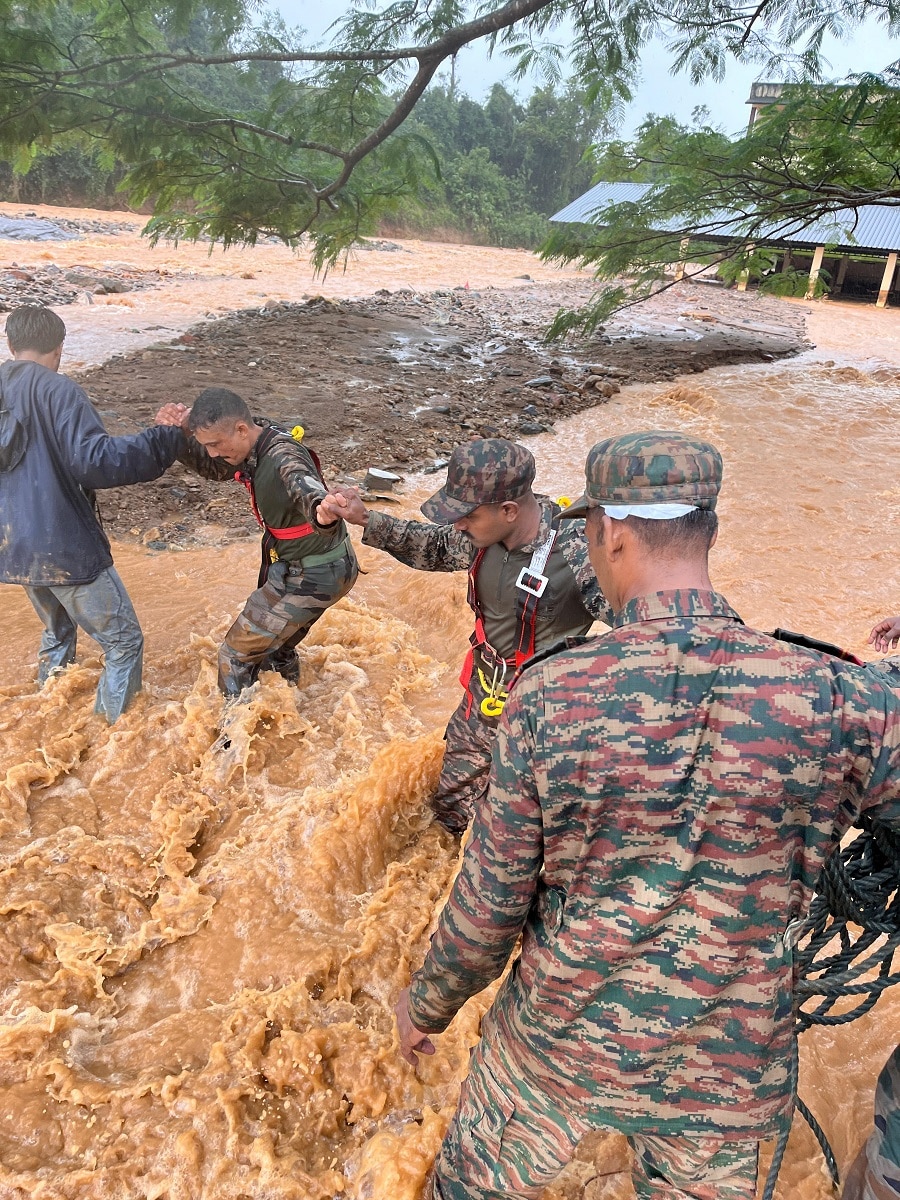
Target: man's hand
342, 504
174, 414
885, 635
412, 1040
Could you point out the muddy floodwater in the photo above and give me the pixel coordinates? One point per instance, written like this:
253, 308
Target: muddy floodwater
206, 923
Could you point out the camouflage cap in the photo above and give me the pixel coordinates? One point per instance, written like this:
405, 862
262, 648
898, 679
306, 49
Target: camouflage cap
488, 471
650, 468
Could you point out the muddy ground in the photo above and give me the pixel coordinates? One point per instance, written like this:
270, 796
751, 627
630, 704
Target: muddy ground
398, 379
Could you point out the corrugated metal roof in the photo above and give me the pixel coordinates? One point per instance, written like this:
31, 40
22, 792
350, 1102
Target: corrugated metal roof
872, 228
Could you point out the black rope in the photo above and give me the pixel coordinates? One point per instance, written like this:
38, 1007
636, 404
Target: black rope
857, 902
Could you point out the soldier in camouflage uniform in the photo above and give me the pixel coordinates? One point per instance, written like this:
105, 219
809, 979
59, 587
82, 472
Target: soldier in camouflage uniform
662, 799
530, 585
306, 567
875, 1175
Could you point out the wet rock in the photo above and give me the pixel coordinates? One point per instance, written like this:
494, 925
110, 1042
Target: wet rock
377, 478
532, 427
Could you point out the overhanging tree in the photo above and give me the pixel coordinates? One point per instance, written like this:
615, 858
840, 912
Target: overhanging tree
321, 148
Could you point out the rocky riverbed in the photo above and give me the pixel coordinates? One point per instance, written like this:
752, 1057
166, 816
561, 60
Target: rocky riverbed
411, 349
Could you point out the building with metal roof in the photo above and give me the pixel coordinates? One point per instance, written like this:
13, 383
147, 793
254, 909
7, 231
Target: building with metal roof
857, 248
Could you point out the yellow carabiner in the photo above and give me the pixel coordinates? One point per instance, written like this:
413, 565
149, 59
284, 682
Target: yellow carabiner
492, 706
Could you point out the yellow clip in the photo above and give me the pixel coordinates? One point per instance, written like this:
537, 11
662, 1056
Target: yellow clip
297, 433
273, 556
492, 706
564, 502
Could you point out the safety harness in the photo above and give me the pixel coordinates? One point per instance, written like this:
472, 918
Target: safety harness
530, 586
292, 532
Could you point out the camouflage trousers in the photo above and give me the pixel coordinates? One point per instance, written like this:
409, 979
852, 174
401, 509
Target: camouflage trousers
466, 769
277, 617
507, 1141
876, 1173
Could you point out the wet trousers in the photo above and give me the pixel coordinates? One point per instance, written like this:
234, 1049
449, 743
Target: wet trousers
463, 781
876, 1173
277, 617
103, 610
507, 1141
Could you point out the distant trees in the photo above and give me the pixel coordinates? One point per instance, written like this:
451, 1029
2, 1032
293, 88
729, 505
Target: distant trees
503, 166
491, 171
234, 128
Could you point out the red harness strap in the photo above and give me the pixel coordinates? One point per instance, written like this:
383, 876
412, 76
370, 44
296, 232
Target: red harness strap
292, 532
526, 616
270, 535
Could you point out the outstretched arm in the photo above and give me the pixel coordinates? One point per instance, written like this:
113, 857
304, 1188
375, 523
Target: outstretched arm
885, 635
342, 504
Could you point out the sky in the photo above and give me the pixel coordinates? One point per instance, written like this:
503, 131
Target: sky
659, 92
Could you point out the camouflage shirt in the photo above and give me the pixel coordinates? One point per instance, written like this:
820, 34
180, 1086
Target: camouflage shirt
571, 603
662, 799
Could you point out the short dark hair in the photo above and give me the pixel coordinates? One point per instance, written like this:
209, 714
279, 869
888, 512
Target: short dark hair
693, 533
34, 327
218, 404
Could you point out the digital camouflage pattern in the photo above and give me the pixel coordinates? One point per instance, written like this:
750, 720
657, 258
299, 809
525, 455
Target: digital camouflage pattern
507, 1139
662, 799
486, 471
569, 606
303, 576
466, 768
650, 468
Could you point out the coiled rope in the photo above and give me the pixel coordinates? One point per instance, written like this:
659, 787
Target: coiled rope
857, 902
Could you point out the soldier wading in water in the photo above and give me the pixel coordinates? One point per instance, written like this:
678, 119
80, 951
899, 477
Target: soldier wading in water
530, 585
305, 567
661, 801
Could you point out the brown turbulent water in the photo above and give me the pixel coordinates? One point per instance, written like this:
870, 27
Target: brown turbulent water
201, 945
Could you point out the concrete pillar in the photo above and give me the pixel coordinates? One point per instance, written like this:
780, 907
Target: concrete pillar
814, 272
744, 277
682, 249
889, 268
786, 261
841, 274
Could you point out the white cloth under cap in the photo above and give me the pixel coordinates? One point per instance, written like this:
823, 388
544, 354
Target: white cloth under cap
650, 512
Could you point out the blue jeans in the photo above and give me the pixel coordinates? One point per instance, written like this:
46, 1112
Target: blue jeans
103, 610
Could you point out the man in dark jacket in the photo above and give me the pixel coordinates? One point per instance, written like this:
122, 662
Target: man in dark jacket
306, 567
54, 454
